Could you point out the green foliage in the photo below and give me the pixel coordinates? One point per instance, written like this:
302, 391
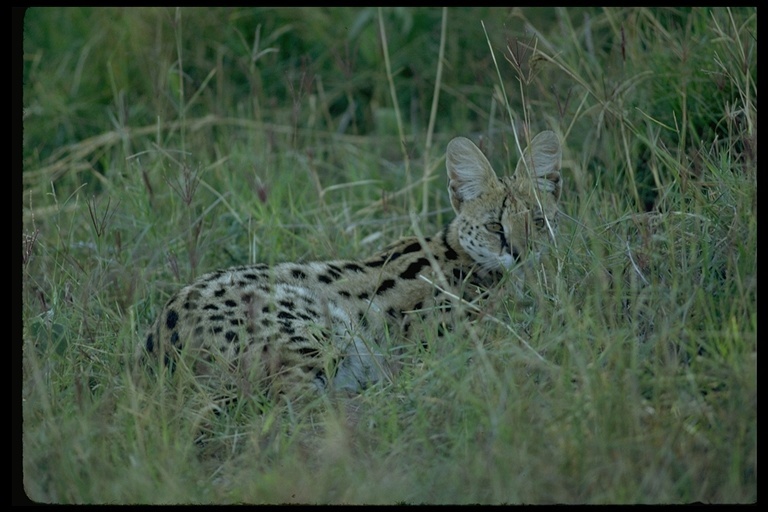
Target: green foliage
162, 143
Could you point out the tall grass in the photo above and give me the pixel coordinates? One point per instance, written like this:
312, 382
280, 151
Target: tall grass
162, 143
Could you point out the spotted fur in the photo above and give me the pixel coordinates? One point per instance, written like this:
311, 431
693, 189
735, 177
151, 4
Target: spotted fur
294, 327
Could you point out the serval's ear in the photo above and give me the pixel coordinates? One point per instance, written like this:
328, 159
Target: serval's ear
541, 163
469, 172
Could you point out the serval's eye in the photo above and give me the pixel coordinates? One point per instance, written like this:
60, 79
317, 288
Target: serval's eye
539, 222
494, 227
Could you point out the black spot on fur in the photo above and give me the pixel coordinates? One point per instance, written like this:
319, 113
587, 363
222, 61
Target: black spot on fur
363, 296
375, 263
414, 268
236, 321
246, 298
385, 285
171, 319
354, 267
175, 338
251, 276
216, 318
231, 336
150, 344
307, 351
415, 246
213, 276
285, 314
298, 274
325, 279
217, 330
334, 271
189, 305
219, 292
344, 294
230, 303
450, 253
210, 307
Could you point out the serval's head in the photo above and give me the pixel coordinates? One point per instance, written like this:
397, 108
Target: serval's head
504, 221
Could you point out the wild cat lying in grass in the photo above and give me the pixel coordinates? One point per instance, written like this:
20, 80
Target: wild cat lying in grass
302, 327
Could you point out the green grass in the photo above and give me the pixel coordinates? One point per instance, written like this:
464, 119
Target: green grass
163, 143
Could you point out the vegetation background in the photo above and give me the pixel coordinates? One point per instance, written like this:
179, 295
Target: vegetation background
160, 143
